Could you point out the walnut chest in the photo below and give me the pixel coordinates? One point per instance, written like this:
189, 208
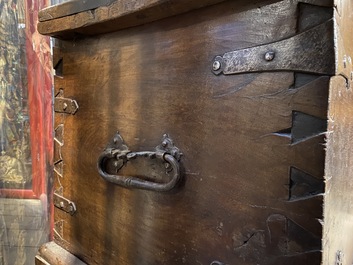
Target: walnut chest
202, 132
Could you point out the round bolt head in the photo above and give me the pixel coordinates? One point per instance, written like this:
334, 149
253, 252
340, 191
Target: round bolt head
62, 204
216, 65
269, 56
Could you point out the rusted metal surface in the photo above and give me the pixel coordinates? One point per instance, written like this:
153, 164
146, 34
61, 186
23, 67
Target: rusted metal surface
64, 204
65, 105
286, 55
118, 155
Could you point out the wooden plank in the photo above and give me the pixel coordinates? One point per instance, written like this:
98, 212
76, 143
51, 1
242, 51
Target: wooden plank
70, 8
338, 210
236, 196
52, 254
338, 201
76, 6
66, 20
120, 15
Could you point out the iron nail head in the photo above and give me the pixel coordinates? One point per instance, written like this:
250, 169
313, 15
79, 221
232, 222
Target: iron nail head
216, 65
269, 56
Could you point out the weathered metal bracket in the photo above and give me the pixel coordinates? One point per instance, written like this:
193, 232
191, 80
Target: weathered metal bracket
65, 105
118, 152
311, 51
64, 204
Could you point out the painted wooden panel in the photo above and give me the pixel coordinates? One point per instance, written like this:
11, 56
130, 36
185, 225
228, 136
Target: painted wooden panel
25, 132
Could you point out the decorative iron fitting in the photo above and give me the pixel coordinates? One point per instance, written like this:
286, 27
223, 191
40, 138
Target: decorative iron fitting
64, 204
118, 153
311, 51
65, 105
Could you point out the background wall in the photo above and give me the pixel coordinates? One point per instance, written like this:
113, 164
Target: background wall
25, 132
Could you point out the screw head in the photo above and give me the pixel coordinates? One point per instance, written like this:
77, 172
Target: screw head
65, 106
62, 204
216, 65
269, 56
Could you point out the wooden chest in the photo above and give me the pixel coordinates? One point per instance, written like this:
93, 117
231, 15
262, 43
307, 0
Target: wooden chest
202, 132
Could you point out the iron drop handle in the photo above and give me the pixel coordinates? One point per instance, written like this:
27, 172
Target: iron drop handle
120, 154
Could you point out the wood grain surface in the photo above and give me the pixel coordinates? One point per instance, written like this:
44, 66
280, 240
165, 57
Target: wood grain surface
253, 177
337, 240
115, 15
52, 254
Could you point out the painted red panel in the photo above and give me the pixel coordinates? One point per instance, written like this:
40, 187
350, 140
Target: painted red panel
39, 85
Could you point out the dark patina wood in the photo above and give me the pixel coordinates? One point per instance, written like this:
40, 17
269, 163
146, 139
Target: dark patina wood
253, 144
123, 14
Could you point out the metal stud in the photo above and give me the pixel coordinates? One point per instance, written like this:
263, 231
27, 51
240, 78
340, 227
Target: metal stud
216, 65
269, 56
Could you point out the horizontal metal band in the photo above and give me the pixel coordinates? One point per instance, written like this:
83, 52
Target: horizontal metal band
311, 51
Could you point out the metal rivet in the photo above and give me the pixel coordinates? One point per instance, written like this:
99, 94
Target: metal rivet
65, 106
269, 56
216, 65
164, 143
62, 204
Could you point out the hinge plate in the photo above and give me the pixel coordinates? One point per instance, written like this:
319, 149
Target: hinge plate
64, 204
65, 105
311, 51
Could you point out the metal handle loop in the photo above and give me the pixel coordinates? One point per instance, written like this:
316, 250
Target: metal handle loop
166, 152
